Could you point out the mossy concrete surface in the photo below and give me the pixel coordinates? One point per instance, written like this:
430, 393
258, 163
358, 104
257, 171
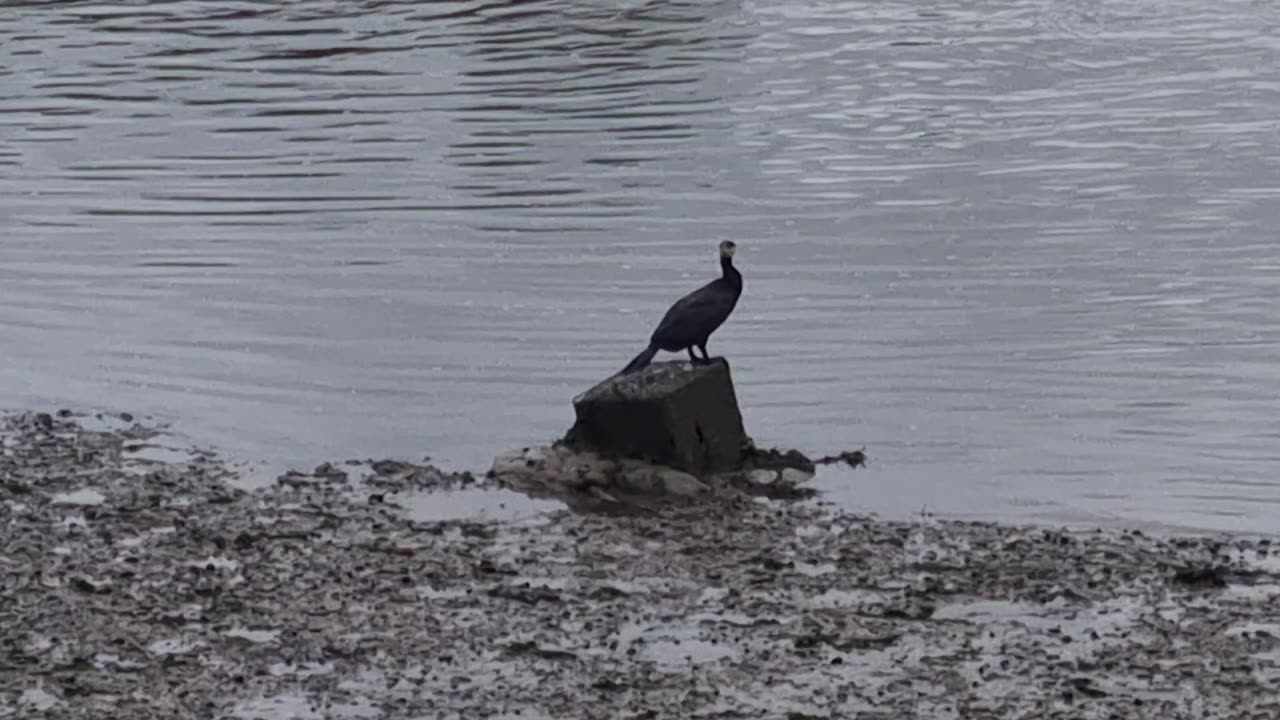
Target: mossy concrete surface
674, 414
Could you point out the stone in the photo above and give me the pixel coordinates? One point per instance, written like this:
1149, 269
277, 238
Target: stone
528, 468
681, 484
674, 414
793, 476
562, 471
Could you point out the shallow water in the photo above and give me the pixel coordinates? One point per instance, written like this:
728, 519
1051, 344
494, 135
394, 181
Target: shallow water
1019, 249
476, 503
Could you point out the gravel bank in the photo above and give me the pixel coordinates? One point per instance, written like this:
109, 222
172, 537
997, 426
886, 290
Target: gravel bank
140, 586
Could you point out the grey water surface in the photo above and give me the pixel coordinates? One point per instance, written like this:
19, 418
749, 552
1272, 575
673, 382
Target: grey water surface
1023, 250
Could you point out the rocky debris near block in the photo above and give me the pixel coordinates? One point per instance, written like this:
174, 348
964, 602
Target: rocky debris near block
153, 589
587, 480
558, 470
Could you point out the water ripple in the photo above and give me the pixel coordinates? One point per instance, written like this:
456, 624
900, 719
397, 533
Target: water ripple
1020, 250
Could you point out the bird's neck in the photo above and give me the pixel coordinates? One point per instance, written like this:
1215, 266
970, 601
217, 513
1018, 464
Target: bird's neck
730, 272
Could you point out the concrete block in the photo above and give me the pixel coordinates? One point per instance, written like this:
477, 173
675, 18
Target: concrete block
671, 413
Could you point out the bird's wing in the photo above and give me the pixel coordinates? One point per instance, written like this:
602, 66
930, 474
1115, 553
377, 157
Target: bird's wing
689, 303
698, 306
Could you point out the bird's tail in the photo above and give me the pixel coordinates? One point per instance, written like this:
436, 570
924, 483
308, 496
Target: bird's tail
641, 360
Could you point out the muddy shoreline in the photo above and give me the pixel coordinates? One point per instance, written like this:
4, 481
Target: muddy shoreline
139, 587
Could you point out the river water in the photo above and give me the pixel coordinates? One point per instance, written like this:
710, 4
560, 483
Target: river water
1022, 250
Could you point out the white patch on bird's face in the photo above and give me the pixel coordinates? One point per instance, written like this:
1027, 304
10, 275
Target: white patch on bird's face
726, 249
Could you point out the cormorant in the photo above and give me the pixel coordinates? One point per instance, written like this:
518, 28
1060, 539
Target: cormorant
693, 318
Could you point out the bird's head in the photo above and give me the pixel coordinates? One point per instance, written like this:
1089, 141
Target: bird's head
726, 249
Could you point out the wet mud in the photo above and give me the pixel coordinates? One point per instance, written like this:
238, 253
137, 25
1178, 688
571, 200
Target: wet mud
141, 584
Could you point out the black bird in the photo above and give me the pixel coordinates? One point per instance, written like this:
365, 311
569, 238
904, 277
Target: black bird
693, 318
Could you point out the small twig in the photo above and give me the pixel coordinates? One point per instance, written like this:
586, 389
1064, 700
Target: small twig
852, 458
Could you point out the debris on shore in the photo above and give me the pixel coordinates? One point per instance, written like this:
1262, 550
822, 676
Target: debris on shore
586, 480
140, 586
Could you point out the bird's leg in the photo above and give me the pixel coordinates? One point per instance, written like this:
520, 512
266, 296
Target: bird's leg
705, 357
692, 357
